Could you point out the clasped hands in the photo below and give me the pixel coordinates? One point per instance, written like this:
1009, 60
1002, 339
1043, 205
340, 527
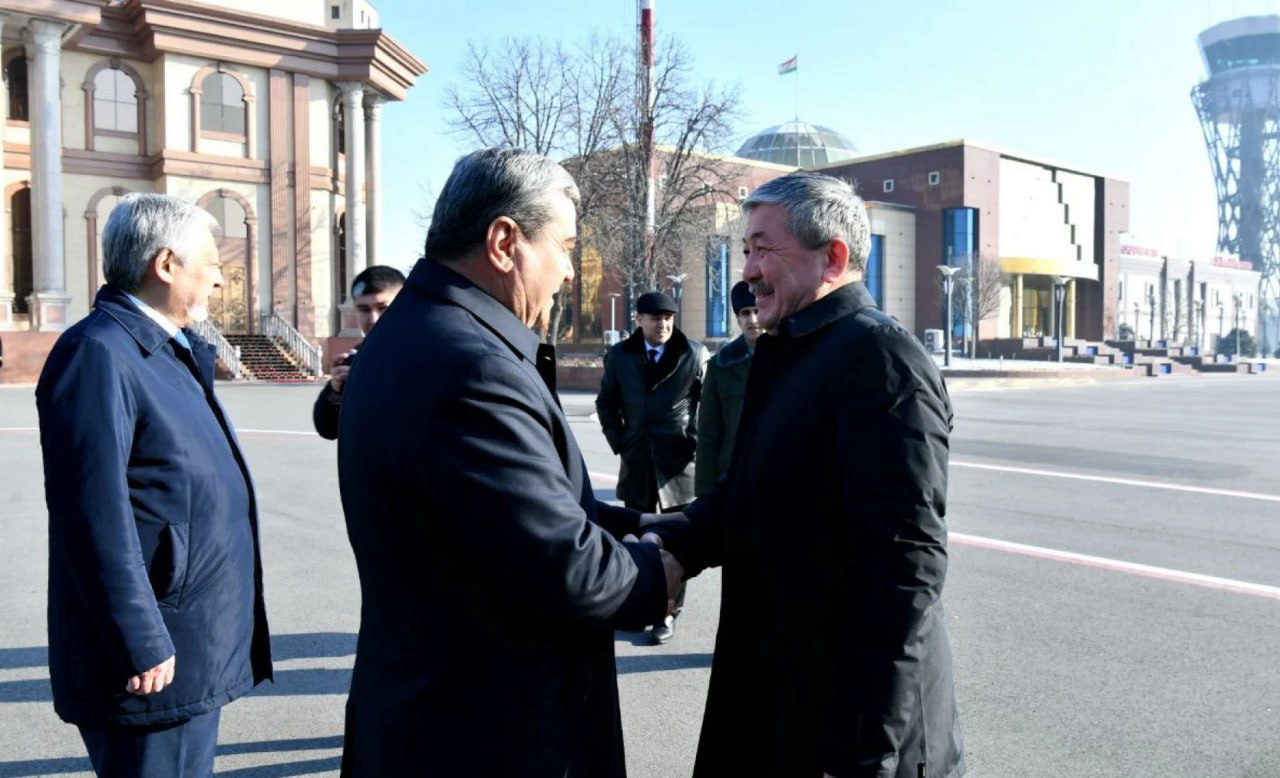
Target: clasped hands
671, 566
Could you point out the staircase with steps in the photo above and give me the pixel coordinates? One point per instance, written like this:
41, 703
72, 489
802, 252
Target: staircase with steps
1141, 356
264, 359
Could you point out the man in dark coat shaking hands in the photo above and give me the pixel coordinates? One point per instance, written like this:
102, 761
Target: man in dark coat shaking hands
492, 580
830, 522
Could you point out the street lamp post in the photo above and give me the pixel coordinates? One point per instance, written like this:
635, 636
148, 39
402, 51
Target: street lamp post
1059, 294
947, 272
1151, 304
1263, 309
1218, 345
1137, 320
613, 315
1197, 324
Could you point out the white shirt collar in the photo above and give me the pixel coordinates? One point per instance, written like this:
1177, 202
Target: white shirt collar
168, 326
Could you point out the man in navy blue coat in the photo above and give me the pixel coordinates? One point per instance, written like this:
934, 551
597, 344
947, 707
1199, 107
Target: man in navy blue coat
491, 578
156, 616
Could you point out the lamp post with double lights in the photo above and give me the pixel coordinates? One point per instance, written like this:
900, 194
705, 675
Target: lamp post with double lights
947, 272
1059, 294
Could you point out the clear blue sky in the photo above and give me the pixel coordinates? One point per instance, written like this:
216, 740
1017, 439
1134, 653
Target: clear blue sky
1101, 85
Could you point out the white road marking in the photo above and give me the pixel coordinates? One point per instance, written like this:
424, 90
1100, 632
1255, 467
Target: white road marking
1120, 481
1119, 566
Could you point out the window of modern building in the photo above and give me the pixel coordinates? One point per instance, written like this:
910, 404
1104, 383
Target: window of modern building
718, 287
115, 102
959, 236
15, 76
935, 178
742, 192
222, 105
875, 270
888, 185
335, 12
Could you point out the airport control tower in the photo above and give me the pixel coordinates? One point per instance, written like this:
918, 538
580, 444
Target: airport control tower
1239, 108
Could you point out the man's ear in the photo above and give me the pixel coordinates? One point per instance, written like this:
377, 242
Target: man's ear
163, 264
500, 243
837, 260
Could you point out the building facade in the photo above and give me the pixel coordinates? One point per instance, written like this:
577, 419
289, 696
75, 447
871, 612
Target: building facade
265, 114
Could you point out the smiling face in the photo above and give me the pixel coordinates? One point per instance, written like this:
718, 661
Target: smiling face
657, 327
543, 262
784, 275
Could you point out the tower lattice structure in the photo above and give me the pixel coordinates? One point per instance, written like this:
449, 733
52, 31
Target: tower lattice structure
1239, 110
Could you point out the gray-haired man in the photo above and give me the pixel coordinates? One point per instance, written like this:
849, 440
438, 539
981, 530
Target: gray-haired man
156, 616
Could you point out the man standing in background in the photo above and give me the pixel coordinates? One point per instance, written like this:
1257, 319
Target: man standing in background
372, 291
648, 407
723, 392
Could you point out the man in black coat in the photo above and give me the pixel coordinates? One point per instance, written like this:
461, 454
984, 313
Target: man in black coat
723, 391
492, 580
372, 292
156, 616
830, 523
648, 408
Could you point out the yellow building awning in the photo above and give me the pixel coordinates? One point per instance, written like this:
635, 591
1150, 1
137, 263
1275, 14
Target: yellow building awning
1038, 266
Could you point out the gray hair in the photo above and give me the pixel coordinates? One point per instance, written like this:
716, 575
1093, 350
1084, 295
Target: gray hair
819, 208
140, 226
486, 184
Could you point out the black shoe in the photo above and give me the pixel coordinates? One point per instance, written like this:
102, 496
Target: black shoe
664, 631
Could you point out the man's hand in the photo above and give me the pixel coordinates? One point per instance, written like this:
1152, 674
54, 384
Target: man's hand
657, 518
153, 680
338, 378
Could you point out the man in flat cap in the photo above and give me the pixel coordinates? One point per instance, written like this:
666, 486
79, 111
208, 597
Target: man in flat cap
648, 407
723, 391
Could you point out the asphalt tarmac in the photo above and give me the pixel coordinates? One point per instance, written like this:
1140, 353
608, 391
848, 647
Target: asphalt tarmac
1113, 596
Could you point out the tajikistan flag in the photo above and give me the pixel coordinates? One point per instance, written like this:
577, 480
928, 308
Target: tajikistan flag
788, 67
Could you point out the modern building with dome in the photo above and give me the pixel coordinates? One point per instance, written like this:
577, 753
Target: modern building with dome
798, 144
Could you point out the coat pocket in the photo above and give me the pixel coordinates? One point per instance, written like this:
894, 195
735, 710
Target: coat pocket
169, 565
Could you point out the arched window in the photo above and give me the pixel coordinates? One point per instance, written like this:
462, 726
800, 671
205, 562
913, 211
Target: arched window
222, 105
23, 268
15, 74
340, 258
115, 102
231, 216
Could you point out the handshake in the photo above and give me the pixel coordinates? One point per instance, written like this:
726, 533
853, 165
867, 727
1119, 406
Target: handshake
671, 566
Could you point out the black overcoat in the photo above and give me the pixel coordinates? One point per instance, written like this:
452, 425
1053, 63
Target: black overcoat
832, 653
153, 527
490, 589
650, 418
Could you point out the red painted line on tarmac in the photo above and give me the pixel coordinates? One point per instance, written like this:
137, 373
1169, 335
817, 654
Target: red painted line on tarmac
1120, 481
1119, 566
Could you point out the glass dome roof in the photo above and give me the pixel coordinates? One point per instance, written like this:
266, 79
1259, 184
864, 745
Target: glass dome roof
798, 144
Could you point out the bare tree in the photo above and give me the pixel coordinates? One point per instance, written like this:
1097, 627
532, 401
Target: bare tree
691, 125
584, 105
978, 289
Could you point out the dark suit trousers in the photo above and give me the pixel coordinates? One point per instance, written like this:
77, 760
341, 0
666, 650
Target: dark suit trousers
182, 750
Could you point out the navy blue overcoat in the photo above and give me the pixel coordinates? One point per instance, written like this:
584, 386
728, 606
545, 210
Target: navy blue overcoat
153, 529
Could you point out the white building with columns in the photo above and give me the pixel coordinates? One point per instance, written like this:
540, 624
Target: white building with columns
264, 113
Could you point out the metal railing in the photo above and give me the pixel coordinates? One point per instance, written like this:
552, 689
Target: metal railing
229, 354
309, 356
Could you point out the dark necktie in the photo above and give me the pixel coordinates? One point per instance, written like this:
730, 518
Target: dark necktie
653, 357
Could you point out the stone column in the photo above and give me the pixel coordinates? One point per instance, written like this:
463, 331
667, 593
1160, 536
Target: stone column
6, 281
373, 181
353, 122
50, 301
